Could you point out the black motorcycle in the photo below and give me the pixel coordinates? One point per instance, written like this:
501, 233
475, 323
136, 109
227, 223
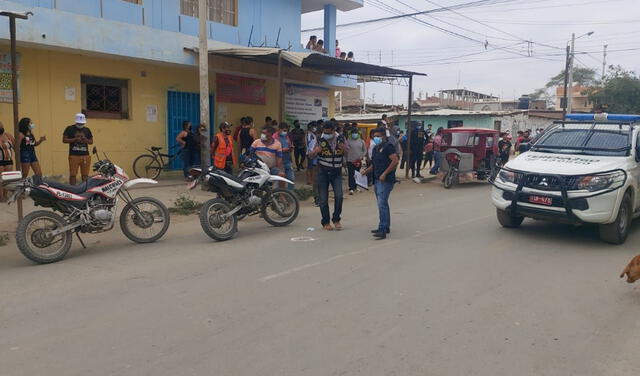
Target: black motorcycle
249, 193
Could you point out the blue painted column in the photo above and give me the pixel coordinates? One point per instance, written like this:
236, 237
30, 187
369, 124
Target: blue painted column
330, 19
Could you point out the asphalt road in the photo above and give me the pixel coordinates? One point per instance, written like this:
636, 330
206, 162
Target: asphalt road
449, 293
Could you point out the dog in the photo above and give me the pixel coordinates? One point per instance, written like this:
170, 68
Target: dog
632, 270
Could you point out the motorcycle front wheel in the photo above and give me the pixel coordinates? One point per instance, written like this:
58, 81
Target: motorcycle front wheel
450, 179
144, 220
35, 243
281, 208
215, 222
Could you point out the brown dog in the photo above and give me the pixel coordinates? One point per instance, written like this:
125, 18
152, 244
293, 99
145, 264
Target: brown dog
632, 270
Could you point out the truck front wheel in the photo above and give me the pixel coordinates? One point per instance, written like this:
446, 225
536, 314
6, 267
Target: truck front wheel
507, 220
616, 232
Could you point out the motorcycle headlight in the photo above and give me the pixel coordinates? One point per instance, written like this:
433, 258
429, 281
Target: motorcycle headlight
599, 182
507, 176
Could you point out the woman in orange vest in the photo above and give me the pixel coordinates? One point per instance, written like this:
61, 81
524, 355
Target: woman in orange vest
222, 149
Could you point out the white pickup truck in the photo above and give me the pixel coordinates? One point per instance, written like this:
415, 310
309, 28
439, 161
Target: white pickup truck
585, 169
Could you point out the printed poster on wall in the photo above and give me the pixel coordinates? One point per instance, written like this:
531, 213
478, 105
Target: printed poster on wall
236, 89
305, 103
6, 93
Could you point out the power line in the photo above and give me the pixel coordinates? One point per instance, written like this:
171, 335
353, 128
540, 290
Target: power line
459, 6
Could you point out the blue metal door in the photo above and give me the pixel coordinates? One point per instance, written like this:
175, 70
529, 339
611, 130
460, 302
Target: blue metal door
183, 106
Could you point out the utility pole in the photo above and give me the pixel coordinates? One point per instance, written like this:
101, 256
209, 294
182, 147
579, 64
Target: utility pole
570, 94
14, 83
566, 84
604, 61
203, 63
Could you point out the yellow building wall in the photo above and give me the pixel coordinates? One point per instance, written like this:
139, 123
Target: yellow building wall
45, 74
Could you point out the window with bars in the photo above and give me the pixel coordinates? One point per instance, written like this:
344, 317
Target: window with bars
106, 98
221, 11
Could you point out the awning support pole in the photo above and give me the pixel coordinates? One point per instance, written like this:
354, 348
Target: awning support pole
280, 89
408, 129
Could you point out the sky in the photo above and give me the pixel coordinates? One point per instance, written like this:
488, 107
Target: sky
525, 42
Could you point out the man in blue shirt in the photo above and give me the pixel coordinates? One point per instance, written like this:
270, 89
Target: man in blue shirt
384, 161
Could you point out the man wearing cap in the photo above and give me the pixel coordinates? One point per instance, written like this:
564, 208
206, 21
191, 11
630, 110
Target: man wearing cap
79, 137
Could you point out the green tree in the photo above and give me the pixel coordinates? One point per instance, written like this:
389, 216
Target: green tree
581, 76
619, 92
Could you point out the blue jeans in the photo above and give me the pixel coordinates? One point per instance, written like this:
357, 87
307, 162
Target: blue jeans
437, 156
326, 177
383, 190
189, 158
289, 174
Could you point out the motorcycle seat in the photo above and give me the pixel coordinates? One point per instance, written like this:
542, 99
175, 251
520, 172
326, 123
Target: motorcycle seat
230, 177
77, 189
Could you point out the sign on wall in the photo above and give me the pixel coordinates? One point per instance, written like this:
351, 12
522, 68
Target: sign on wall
6, 93
152, 113
305, 103
236, 89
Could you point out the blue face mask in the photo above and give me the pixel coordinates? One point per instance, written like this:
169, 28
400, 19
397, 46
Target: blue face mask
377, 140
355, 136
327, 136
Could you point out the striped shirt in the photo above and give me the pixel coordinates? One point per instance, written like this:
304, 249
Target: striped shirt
267, 153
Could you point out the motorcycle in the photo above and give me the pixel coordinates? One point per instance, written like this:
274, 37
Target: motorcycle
249, 193
45, 236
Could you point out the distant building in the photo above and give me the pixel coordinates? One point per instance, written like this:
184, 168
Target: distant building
511, 121
509, 105
579, 102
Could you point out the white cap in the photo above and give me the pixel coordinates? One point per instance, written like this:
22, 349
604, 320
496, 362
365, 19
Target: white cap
81, 119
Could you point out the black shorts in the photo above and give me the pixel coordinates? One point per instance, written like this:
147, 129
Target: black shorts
6, 163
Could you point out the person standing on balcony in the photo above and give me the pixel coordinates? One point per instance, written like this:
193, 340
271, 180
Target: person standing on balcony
350, 56
320, 47
338, 51
311, 44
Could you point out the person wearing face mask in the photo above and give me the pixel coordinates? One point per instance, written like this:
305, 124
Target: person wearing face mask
7, 143
269, 150
27, 143
330, 150
357, 151
383, 167
222, 149
287, 162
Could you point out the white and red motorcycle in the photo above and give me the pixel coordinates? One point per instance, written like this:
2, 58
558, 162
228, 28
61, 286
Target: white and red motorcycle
44, 236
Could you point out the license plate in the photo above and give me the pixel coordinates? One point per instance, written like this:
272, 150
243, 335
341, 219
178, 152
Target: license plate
192, 184
541, 200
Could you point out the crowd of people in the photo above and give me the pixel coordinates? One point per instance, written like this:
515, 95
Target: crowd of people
315, 44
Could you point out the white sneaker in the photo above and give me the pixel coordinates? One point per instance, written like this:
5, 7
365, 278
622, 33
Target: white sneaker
351, 192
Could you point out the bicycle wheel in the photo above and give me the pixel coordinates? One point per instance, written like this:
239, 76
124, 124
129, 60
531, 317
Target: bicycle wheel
147, 166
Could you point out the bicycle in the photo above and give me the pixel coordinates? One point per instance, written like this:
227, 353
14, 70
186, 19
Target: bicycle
151, 165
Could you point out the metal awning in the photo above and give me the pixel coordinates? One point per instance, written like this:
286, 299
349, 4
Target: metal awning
312, 60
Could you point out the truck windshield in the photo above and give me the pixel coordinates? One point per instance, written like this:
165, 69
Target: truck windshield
586, 138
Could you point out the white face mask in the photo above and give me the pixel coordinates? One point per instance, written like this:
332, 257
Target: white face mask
32, 126
80, 125
263, 137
